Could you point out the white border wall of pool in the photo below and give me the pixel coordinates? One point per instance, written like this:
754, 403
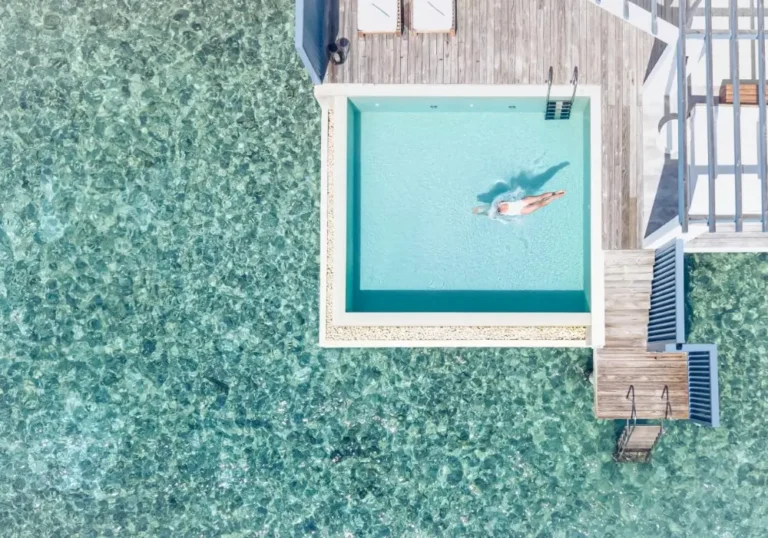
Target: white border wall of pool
335, 97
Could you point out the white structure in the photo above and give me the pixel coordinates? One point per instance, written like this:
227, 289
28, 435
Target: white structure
714, 179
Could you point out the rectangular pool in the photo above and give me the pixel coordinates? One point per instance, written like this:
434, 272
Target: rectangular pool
406, 258
416, 169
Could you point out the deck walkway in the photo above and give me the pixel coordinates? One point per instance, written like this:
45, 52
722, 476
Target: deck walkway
648, 373
624, 360
515, 42
628, 279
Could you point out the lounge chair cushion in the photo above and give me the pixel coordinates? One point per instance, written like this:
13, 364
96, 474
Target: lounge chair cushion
378, 16
433, 15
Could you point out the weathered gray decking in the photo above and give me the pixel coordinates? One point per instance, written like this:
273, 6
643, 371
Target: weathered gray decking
515, 42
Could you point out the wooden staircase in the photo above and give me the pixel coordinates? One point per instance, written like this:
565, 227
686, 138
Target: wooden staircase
628, 279
632, 383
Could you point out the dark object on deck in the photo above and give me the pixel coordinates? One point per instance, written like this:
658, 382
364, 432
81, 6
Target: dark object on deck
339, 51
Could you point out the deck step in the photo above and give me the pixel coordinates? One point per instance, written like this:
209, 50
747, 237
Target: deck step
625, 304
628, 274
643, 437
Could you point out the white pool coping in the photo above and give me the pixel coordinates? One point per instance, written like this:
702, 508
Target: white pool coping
408, 329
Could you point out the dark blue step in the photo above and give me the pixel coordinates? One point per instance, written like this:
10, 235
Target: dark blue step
552, 113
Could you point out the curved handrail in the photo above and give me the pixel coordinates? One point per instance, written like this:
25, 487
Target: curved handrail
575, 82
633, 412
549, 81
667, 407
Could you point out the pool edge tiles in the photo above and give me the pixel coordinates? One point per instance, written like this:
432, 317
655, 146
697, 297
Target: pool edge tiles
338, 334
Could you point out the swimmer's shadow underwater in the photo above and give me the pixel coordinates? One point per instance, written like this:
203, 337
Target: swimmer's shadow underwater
521, 185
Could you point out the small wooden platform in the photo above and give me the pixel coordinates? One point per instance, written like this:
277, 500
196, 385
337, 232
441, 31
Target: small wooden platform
648, 373
747, 94
643, 437
637, 442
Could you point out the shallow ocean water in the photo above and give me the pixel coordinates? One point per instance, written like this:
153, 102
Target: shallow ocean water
159, 374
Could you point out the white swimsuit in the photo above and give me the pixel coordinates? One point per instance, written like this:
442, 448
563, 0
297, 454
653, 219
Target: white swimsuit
513, 209
514, 206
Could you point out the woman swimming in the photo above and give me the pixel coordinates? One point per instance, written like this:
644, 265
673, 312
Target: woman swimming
503, 206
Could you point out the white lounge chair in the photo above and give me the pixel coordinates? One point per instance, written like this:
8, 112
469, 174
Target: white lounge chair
433, 16
379, 17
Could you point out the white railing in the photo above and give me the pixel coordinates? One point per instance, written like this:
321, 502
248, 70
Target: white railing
643, 14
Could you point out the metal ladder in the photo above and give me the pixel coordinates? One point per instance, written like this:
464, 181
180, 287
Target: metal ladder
629, 428
560, 109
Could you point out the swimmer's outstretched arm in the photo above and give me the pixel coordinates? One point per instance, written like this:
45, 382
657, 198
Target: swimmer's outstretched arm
481, 209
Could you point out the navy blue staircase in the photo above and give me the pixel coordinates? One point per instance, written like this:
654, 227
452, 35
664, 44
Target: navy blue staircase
666, 323
666, 332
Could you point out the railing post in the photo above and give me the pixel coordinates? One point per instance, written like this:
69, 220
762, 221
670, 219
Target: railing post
682, 126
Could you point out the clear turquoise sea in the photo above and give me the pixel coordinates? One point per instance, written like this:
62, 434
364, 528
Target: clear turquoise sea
159, 373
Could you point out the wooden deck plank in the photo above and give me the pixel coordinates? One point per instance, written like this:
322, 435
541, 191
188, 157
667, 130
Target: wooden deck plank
514, 42
463, 34
560, 44
517, 40
611, 129
473, 44
501, 52
574, 19
621, 156
482, 32
414, 58
433, 59
538, 41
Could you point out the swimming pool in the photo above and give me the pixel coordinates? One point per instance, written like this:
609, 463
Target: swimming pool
408, 251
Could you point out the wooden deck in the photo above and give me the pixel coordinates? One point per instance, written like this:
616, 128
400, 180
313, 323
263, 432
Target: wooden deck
648, 373
628, 280
625, 361
515, 42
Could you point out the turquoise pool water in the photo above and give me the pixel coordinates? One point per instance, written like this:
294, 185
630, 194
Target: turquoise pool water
159, 368
418, 167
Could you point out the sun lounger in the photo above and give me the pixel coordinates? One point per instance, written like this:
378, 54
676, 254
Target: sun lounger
379, 17
434, 16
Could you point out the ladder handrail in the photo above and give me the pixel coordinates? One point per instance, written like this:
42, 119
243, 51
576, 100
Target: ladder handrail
575, 82
667, 407
633, 412
627, 433
549, 82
